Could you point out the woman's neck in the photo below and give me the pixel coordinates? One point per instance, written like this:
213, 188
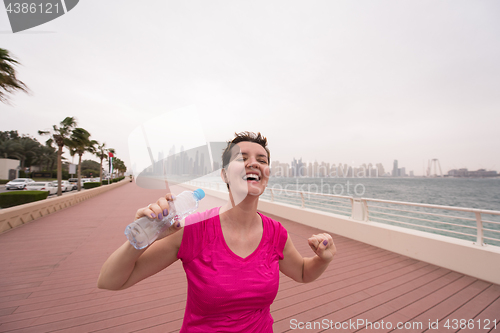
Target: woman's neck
244, 213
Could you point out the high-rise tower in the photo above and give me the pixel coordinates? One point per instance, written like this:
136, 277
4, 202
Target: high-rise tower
395, 170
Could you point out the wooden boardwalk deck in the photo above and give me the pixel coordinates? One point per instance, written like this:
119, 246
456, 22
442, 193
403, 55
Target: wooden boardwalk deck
49, 270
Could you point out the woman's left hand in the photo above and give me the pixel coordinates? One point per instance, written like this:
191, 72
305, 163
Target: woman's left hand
323, 246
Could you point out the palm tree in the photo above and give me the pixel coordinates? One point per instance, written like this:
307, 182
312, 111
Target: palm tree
46, 156
79, 143
119, 166
8, 80
60, 136
10, 149
102, 153
29, 149
23, 148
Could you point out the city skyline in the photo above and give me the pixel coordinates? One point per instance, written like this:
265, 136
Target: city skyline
298, 168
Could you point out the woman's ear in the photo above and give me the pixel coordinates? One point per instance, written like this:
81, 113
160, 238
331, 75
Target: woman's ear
223, 175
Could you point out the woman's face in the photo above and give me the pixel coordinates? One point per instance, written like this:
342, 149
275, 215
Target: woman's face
248, 171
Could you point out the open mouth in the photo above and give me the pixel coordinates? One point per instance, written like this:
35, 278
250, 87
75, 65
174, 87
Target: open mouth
251, 177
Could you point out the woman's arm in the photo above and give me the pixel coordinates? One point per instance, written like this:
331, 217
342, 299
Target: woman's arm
127, 265
306, 270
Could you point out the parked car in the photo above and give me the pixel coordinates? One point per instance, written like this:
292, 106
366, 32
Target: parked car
18, 183
42, 186
74, 181
65, 185
68, 186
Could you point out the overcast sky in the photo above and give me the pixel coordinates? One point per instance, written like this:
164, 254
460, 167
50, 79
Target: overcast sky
336, 81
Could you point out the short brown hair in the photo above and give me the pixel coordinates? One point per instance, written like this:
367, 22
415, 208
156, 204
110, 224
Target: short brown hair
244, 137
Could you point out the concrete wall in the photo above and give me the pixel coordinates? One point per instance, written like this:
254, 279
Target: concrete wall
5, 165
455, 254
15, 216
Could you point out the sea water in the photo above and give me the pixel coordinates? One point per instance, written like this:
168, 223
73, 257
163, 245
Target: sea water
481, 193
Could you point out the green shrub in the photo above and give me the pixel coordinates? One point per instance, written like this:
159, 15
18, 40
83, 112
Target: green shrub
88, 185
4, 181
105, 182
10, 199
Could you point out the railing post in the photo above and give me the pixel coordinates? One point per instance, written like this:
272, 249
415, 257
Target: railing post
479, 227
352, 207
272, 195
302, 198
365, 207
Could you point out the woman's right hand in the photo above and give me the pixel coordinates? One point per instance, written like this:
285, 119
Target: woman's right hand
158, 210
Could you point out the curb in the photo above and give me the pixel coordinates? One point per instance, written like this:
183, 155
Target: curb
14, 217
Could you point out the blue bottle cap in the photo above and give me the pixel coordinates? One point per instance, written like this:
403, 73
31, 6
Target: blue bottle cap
199, 194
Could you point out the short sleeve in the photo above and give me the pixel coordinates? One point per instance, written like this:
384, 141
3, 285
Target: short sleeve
282, 238
279, 236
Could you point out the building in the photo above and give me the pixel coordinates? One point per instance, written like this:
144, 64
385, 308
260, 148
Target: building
280, 169
395, 170
9, 168
481, 173
380, 169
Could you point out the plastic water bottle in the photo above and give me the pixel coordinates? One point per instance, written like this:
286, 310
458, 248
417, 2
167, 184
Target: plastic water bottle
144, 231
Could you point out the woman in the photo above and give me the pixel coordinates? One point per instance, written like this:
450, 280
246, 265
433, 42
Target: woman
232, 255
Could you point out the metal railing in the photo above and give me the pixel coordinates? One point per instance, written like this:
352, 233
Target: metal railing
458, 222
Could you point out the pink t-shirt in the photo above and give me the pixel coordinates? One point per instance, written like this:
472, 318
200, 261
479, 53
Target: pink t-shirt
228, 293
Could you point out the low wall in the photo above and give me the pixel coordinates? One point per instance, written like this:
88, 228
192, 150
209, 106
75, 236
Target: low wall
15, 216
455, 254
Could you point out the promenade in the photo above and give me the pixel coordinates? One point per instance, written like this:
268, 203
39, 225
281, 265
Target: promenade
49, 269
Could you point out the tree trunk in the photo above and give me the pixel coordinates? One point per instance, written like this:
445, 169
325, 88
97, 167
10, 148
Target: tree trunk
80, 172
100, 170
59, 171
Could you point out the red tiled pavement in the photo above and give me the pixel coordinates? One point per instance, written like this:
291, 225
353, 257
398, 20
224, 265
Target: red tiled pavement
49, 270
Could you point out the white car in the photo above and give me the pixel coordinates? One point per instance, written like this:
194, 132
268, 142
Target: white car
65, 185
18, 183
42, 186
